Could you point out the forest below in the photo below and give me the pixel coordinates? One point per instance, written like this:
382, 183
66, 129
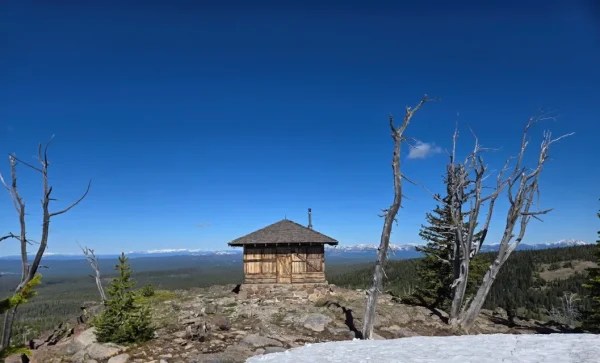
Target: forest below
531, 283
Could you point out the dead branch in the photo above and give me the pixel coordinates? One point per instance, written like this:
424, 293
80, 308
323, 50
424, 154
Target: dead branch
397, 133
93, 261
522, 186
29, 270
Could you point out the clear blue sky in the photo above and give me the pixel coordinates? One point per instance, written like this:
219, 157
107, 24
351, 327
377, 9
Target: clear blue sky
198, 122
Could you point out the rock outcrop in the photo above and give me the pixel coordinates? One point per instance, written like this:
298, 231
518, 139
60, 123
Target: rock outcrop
227, 324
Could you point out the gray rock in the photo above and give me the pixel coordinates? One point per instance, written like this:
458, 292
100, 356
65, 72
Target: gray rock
316, 322
103, 351
210, 308
226, 301
121, 358
501, 313
258, 341
71, 347
192, 321
180, 334
180, 341
274, 350
86, 337
221, 322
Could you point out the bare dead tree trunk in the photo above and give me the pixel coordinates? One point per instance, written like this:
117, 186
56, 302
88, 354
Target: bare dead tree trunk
389, 218
93, 261
29, 270
522, 187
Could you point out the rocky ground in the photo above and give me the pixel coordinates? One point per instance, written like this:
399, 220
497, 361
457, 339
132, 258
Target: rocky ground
230, 324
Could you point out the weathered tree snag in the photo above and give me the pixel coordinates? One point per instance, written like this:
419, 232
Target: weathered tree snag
93, 261
389, 218
29, 270
522, 187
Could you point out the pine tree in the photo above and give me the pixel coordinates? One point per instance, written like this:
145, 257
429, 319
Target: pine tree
435, 272
123, 320
592, 317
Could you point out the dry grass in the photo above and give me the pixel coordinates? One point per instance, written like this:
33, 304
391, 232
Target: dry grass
565, 272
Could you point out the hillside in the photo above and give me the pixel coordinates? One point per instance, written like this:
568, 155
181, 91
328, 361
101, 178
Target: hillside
530, 284
66, 284
226, 324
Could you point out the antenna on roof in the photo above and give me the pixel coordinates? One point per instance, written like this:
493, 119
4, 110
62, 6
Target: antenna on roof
309, 218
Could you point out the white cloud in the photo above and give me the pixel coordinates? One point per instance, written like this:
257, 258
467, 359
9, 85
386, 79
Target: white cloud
423, 150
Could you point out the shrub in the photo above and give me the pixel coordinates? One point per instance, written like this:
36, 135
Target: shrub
147, 291
123, 320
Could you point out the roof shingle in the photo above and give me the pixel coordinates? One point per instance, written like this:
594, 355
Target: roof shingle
284, 231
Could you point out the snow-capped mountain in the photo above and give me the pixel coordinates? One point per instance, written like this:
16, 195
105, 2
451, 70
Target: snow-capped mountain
183, 252
410, 250
363, 247
540, 246
397, 251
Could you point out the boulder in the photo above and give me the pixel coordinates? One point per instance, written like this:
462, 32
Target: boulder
221, 322
501, 313
227, 301
121, 358
210, 308
274, 350
86, 337
258, 341
103, 351
316, 322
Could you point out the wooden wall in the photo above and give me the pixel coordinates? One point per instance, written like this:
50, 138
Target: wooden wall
284, 264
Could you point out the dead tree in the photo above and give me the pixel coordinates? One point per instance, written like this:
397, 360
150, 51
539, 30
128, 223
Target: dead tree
93, 261
30, 268
389, 218
467, 185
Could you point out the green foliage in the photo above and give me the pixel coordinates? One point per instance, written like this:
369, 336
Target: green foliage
14, 350
478, 266
21, 297
435, 272
517, 288
591, 319
148, 290
123, 320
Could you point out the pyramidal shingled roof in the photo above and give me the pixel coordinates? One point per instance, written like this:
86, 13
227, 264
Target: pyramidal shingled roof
284, 231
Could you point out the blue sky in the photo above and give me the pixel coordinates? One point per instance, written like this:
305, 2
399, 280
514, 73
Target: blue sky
198, 123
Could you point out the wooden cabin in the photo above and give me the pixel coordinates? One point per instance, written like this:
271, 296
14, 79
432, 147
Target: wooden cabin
284, 252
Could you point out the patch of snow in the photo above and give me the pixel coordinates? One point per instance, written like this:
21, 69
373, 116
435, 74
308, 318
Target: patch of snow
485, 348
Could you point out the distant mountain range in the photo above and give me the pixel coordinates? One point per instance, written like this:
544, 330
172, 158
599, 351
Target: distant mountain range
364, 247
398, 251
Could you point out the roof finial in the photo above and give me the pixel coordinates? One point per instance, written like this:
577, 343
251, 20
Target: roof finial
309, 218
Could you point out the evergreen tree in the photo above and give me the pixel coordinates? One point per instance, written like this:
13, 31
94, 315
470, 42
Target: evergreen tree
592, 317
435, 272
123, 320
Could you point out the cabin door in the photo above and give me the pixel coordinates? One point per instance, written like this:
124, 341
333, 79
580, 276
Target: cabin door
284, 268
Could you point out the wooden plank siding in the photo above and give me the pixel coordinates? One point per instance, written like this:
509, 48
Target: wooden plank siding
284, 264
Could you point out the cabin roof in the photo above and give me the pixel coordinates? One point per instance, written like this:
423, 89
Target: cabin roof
284, 231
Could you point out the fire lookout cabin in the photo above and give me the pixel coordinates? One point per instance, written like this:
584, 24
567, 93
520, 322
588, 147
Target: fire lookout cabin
284, 252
